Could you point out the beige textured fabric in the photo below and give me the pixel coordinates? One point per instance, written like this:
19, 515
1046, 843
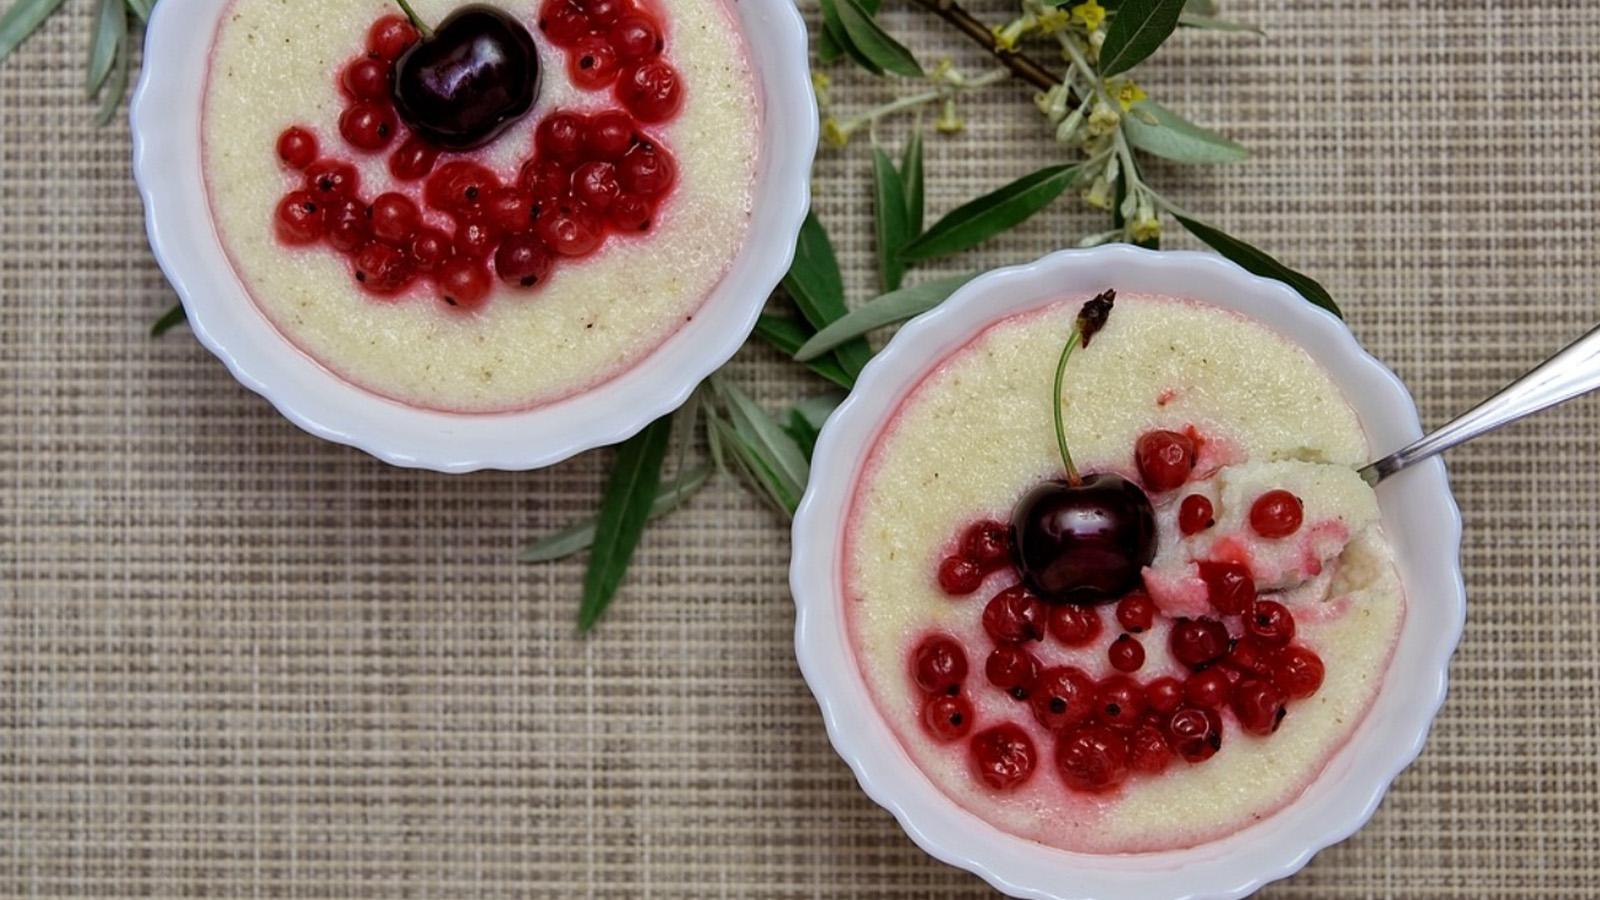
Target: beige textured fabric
236, 661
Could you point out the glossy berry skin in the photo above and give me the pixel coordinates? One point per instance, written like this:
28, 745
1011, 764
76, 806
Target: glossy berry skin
391, 36
593, 64
521, 261
1195, 734
560, 136
1014, 616
467, 83
570, 230
367, 79
297, 147
414, 159
1259, 706
636, 38
987, 543
564, 22
429, 249
1013, 670
608, 135
1249, 658
458, 186
349, 226
1126, 654
330, 179
1003, 757
1148, 752
1276, 514
382, 268
1164, 695
1092, 759
1165, 459
1297, 671
1229, 586
1198, 642
959, 576
509, 210
1075, 626
947, 718
1270, 624
1208, 690
631, 213
651, 90
938, 664
463, 283
475, 236
595, 185
1118, 700
299, 219
1083, 543
395, 218
1062, 697
1136, 613
647, 170
367, 126
1195, 514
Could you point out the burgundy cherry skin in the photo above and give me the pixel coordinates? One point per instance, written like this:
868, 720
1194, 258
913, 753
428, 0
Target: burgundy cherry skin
1084, 543
469, 79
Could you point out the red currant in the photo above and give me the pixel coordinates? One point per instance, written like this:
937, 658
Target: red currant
570, 229
647, 170
564, 23
1126, 654
636, 37
1062, 697
595, 185
382, 268
522, 261
593, 64
1276, 514
390, 37
603, 13
959, 576
947, 718
1195, 515
987, 543
297, 147
608, 135
560, 137
331, 179
1197, 642
1136, 613
395, 218
368, 126
1148, 751
475, 236
1165, 459
459, 185
1208, 689
1229, 586
544, 179
651, 90
414, 159
509, 210
631, 212
1297, 671
1119, 700
463, 283
430, 248
1092, 759
299, 219
367, 79
1003, 756
1270, 624
1074, 626
349, 227
1164, 694
1014, 616
1013, 670
938, 664
1258, 706
1195, 734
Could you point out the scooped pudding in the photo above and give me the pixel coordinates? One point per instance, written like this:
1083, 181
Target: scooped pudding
479, 208
1112, 578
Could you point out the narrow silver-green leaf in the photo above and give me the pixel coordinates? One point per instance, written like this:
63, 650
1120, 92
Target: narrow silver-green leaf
1139, 27
22, 19
110, 32
1259, 263
115, 87
830, 46
834, 26
1206, 23
777, 449
579, 536
1176, 138
788, 336
896, 306
817, 287
142, 8
998, 211
890, 221
868, 37
1200, 7
807, 417
784, 497
169, 320
912, 178
624, 510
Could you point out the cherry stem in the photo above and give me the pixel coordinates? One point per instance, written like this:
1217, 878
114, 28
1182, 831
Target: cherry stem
416, 20
1073, 340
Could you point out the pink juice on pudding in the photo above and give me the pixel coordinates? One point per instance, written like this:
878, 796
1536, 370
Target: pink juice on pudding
508, 276
1243, 657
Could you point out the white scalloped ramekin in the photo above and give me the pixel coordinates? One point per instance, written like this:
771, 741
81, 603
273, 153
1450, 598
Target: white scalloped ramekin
1419, 515
166, 162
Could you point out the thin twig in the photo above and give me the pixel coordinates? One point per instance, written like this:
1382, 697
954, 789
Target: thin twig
1021, 65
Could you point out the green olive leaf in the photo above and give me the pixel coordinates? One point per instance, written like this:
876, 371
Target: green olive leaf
817, 287
1139, 27
869, 39
624, 509
833, 25
108, 37
807, 417
142, 8
895, 306
830, 44
1259, 263
580, 535
911, 177
979, 220
788, 336
1176, 138
890, 218
22, 19
1207, 23
115, 88
777, 449
169, 320
1200, 7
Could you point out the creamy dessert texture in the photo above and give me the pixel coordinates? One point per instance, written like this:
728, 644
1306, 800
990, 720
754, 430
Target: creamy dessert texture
976, 434
276, 64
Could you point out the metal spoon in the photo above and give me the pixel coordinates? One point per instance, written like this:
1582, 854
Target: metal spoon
1571, 373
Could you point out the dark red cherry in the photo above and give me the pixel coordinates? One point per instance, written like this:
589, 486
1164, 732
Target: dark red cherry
1259, 706
522, 261
1195, 734
1092, 759
1084, 543
1013, 670
1003, 756
1229, 586
947, 718
1062, 697
1165, 459
463, 85
651, 90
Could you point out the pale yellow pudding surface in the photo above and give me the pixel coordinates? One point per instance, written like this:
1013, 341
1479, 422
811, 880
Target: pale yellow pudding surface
275, 64
977, 433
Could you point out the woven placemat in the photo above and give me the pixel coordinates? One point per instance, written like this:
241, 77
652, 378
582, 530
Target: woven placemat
236, 661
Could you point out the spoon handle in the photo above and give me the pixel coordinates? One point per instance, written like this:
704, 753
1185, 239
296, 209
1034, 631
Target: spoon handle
1571, 373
